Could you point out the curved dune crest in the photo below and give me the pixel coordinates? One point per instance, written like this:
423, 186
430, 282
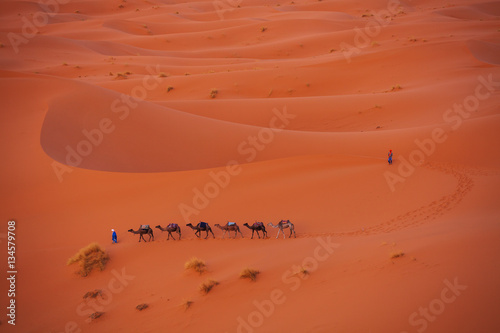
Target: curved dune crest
485, 51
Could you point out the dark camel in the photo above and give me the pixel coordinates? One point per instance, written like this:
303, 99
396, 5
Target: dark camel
283, 224
143, 232
228, 228
202, 226
256, 227
172, 227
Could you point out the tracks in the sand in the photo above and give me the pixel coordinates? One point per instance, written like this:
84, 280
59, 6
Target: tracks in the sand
424, 213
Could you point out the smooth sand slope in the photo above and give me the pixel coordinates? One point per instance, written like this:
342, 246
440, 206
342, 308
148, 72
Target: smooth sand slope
122, 113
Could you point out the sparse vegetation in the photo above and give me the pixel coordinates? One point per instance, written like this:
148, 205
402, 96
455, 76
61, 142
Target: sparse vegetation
397, 254
121, 76
396, 87
196, 265
93, 294
162, 75
213, 93
303, 271
262, 29
207, 286
169, 88
90, 257
96, 315
249, 273
187, 304
2, 45
142, 306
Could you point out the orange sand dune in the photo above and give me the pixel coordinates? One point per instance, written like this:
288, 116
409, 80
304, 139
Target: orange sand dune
122, 113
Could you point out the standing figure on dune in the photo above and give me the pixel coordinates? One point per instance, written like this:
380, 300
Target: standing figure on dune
390, 157
114, 238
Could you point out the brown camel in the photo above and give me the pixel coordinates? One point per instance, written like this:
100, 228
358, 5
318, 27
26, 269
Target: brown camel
283, 224
256, 227
172, 227
143, 231
230, 227
202, 226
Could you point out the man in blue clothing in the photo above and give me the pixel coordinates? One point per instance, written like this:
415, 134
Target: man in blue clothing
114, 237
390, 157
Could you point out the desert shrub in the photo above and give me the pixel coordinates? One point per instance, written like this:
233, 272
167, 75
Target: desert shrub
397, 254
96, 315
142, 306
206, 286
196, 265
249, 273
93, 294
90, 257
187, 304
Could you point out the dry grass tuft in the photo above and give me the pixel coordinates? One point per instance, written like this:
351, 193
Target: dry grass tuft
213, 93
206, 286
162, 75
142, 306
397, 254
396, 87
121, 76
93, 294
249, 273
169, 88
96, 315
187, 304
303, 271
90, 257
196, 265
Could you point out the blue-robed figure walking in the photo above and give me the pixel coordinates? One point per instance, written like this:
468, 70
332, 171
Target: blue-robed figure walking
390, 156
114, 238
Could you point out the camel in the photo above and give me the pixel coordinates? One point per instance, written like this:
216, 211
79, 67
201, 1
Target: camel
172, 227
256, 227
202, 226
230, 227
143, 231
283, 224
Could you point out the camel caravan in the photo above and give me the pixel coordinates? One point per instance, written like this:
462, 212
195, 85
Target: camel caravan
228, 228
